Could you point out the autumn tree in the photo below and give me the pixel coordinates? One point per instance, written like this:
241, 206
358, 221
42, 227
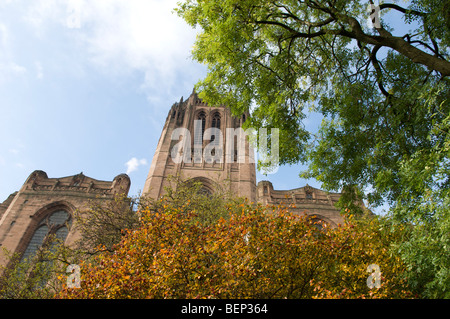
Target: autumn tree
101, 227
257, 252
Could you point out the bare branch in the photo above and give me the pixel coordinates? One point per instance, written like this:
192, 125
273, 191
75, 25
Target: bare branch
294, 32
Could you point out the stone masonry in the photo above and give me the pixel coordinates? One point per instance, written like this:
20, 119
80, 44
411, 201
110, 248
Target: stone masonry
40, 196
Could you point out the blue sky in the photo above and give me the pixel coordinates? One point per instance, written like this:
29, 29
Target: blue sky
85, 86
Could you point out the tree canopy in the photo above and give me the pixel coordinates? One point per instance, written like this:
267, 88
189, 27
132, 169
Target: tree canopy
380, 77
384, 96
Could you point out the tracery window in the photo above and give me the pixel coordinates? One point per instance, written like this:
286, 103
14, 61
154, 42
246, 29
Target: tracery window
216, 120
199, 138
55, 225
215, 124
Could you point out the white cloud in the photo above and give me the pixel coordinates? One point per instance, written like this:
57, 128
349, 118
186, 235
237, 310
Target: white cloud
143, 35
133, 164
41, 12
122, 36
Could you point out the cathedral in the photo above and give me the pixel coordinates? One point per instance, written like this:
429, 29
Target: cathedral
45, 205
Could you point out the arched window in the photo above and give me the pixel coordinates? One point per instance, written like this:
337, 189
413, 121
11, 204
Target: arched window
215, 124
199, 138
55, 225
206, 186
216, 120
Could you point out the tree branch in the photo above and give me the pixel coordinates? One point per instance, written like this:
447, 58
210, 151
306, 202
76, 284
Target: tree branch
385, 39
397, 43
294, 32
376, 65
403, 10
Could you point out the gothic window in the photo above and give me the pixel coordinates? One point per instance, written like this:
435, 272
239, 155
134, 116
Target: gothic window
54, 225
215, 124
199, 138
216, 120
204, 184
309, 195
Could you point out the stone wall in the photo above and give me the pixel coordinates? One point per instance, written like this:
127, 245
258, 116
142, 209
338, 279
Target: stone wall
40, 196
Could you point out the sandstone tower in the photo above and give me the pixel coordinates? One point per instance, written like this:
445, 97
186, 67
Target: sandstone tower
195, 117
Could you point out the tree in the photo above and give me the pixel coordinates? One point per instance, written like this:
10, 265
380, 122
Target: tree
426, 249
191, 195
383, 93
35, 277
103, 225
256, 252
101, 228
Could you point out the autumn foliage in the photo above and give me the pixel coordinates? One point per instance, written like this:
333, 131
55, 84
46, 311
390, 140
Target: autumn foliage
253, 253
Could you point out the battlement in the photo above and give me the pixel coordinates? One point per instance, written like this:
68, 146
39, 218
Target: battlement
38, 181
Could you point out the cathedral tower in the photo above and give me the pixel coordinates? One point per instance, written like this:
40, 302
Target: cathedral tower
200, 142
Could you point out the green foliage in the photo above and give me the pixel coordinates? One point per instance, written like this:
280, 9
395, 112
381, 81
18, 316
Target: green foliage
103, 224
281, 58
427, 253
384, 96
188, 196
37, 276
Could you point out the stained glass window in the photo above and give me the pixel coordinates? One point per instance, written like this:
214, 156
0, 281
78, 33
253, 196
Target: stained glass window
36, 241
56, 224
